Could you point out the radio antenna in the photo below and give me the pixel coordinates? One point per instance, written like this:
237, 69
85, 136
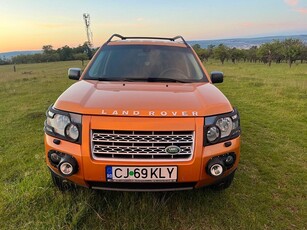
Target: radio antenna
89, 33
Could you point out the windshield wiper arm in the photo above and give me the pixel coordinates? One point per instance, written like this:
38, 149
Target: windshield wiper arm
155, 79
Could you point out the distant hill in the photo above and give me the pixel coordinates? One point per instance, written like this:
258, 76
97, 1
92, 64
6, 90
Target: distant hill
9, 55
242, 43
245, 43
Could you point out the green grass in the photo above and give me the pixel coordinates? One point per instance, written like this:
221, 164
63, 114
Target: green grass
269, 190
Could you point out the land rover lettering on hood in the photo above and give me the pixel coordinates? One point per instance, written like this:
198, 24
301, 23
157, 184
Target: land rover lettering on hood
143, 116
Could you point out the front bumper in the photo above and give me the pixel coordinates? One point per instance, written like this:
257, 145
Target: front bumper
191, 173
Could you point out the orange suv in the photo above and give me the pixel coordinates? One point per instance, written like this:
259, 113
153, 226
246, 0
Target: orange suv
143, 116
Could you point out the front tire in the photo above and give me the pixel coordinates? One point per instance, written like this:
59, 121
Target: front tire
224, 183
62, 184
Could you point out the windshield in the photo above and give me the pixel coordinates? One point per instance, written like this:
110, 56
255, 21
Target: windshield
145, 63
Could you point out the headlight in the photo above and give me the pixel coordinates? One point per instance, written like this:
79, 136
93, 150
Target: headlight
72, 131
63, 125
221, 127
225, 125
213, 134
59, 123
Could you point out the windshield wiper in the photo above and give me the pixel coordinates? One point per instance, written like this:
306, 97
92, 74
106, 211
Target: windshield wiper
150, 79
155, 79
108, 79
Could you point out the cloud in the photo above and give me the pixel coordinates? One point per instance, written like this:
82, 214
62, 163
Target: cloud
302, 10
51, 25
294, 4
247, 24
291, 2
55, 25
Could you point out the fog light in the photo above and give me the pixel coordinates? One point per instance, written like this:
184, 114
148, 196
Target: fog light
216, 170
55, 158
216, 167
66, 168
229, 160
68, 165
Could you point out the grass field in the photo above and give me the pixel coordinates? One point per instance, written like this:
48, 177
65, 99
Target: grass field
269, 190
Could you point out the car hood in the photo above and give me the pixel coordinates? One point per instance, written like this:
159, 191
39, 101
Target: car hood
143, 99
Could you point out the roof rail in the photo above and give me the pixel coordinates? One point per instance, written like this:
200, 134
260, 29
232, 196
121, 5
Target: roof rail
115, 35
151, 38
180, 37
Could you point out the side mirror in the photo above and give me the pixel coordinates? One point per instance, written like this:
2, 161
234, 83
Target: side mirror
217, 77
74, 73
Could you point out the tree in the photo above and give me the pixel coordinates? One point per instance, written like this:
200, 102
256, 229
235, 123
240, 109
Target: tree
88, 50
272, 51
65, 53
4, 61
251, 54
289, 50
303, 56
292, 49
276, 47
265, 53
80, 56
210, 50
221, 52
198, 50
204, 54
235, 54
196, 47
47, 49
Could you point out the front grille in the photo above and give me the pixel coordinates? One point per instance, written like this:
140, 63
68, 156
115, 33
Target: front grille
141, 144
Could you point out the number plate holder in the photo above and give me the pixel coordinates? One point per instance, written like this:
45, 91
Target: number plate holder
141, 173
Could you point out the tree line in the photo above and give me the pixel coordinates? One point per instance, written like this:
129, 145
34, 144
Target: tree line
289, 50
65, 53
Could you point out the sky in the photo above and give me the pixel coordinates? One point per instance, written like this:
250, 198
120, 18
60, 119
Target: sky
31, 24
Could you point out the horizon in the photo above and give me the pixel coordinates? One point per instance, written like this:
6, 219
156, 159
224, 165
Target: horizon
61, 23
218, 39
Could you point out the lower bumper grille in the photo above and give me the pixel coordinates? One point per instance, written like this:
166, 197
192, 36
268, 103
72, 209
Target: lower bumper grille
141, 144
141, 186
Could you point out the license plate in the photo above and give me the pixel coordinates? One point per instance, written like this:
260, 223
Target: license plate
141, 174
